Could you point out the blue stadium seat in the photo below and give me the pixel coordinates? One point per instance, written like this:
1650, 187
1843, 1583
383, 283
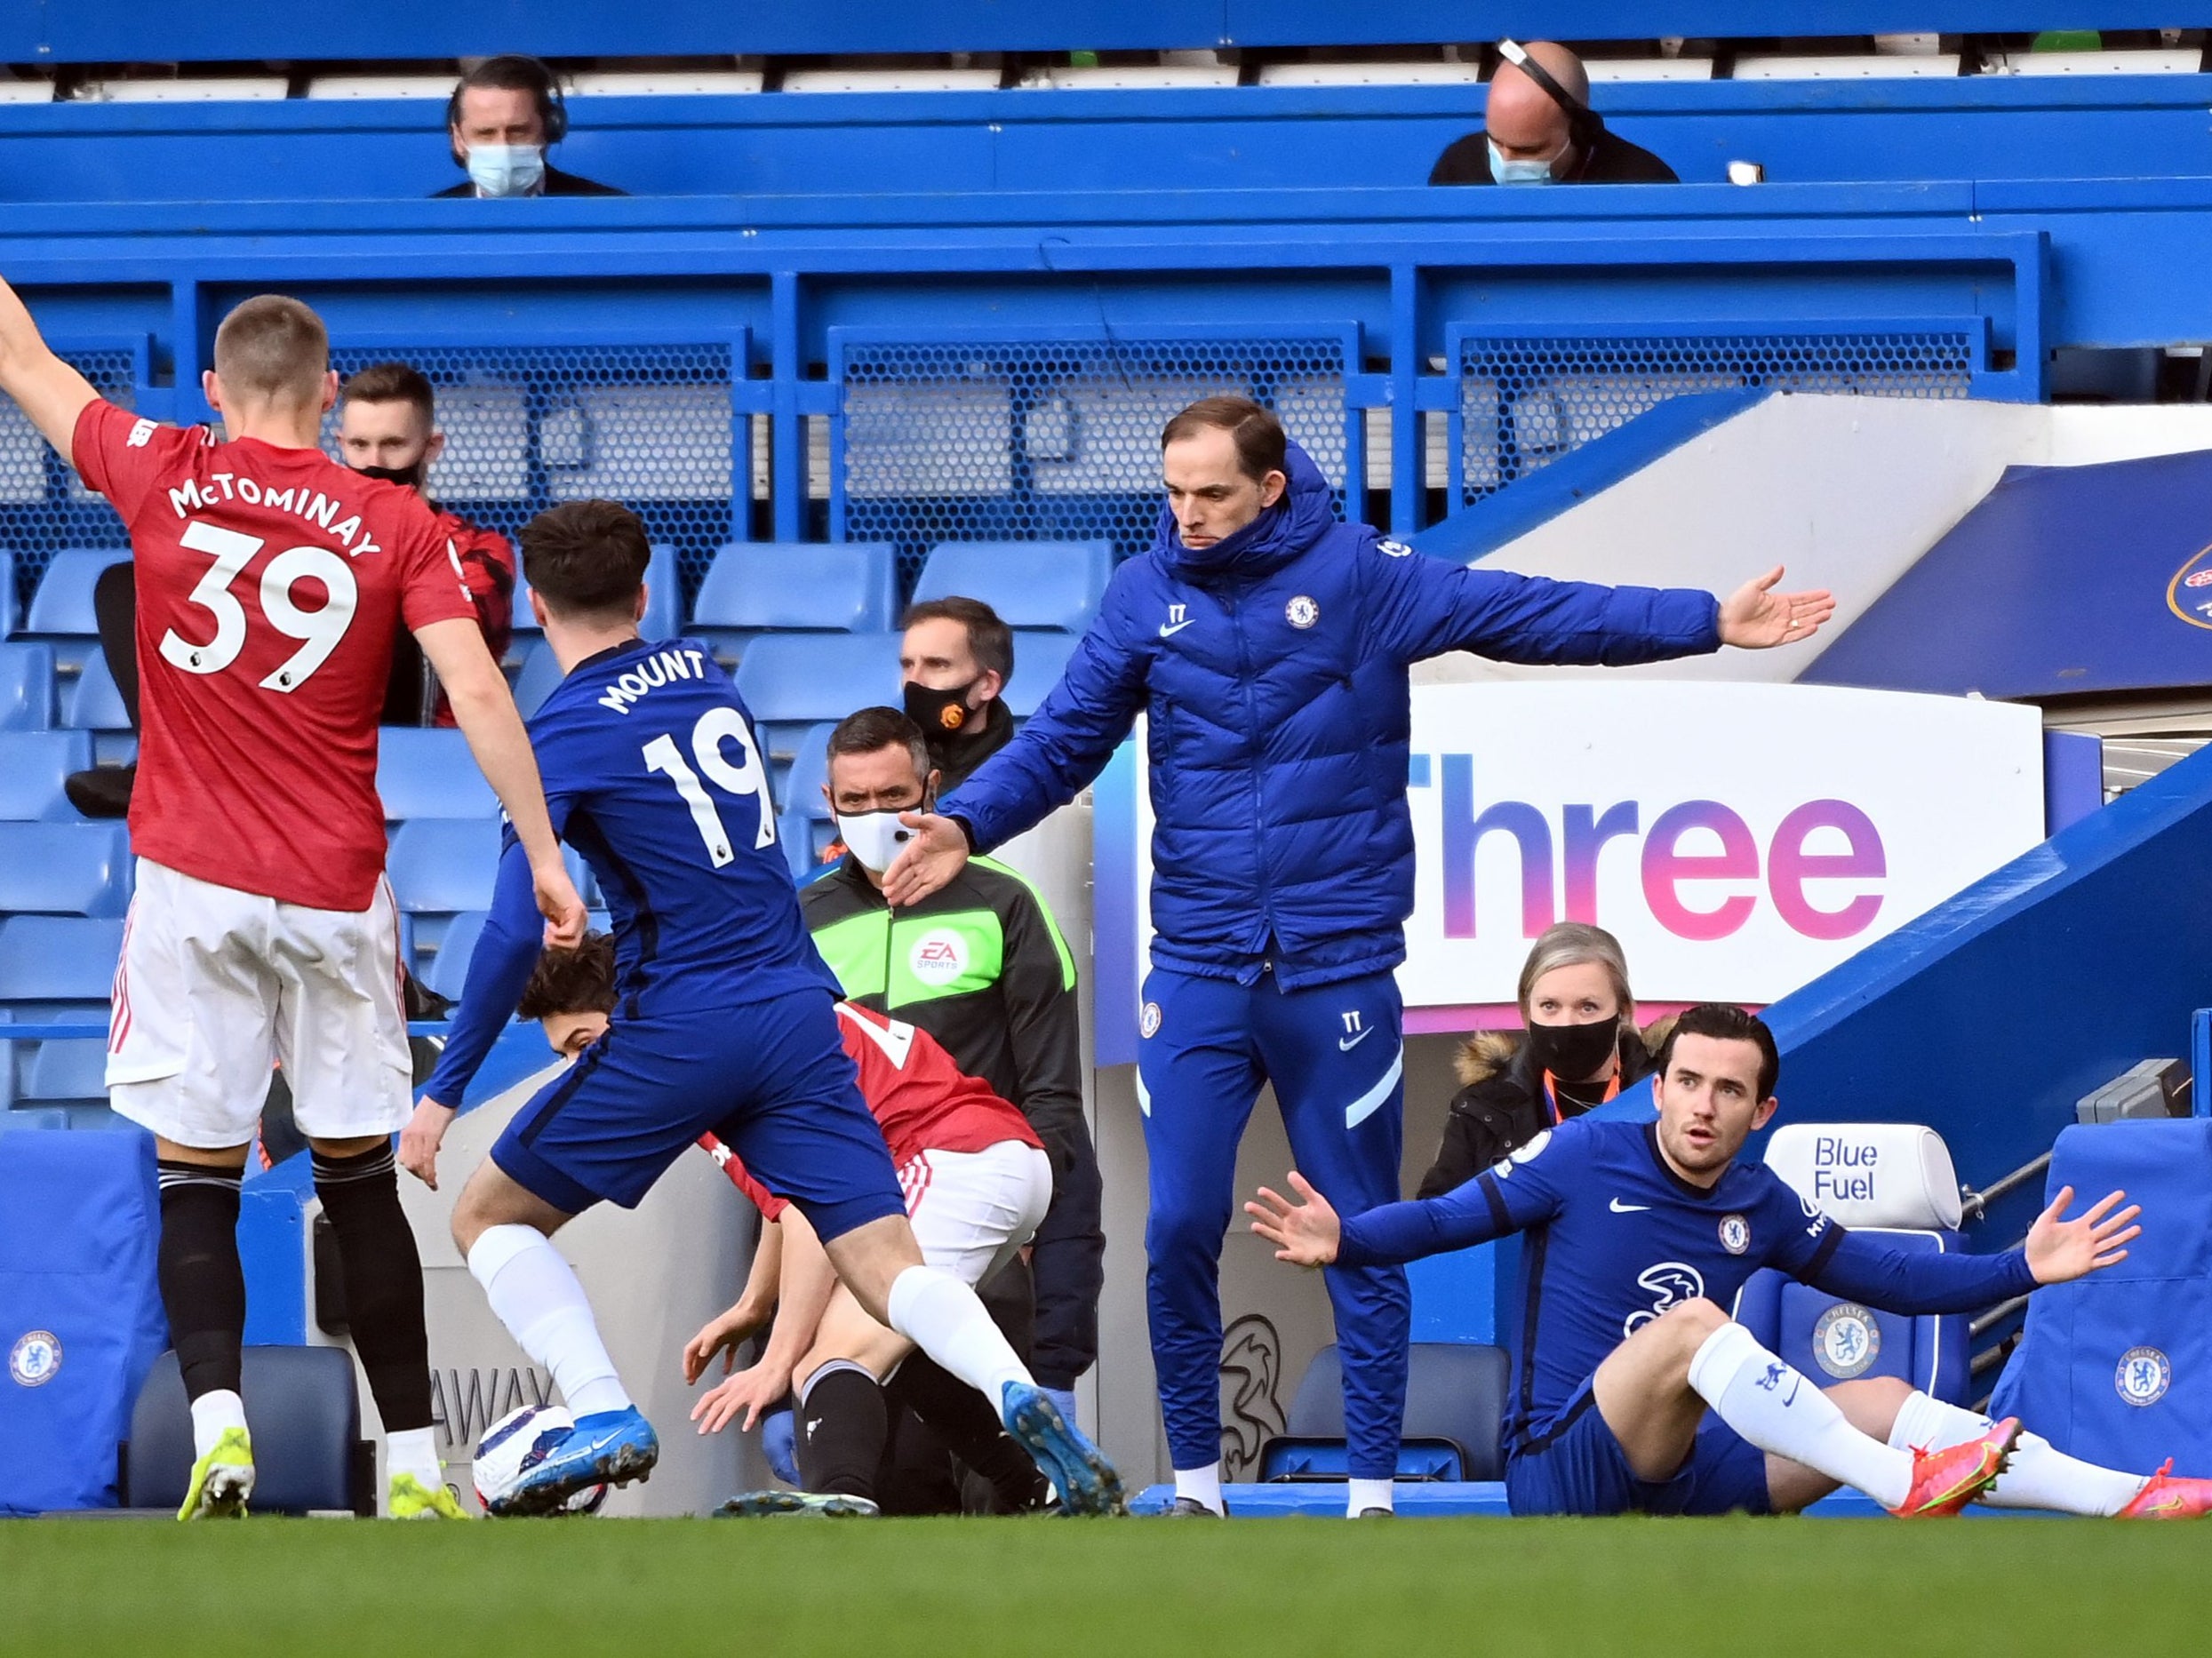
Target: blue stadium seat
1031, 583
304, 1409
540, 673
65, 868
794, 681
1454, 1412
1893, 1180
806, 827
32, 767
448, 968
780, 587
26, 687
664, 597
61, 610
94, 704
1039, 659
442, 866
59, 959
425, 772
73, 1071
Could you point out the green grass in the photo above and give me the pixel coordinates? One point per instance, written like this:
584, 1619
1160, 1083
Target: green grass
1292, 1588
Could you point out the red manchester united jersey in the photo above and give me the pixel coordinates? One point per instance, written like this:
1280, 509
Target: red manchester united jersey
271, 585
920, 1099
488, 567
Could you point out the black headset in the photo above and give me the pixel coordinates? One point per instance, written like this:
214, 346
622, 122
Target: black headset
1584, 126
534, 75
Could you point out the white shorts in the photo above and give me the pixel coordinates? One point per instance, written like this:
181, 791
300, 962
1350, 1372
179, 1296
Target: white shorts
971, 1210
216, 985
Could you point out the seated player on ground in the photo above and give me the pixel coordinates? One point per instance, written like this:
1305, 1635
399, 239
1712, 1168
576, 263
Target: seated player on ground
976, 1183
725, 1023
1640, 1233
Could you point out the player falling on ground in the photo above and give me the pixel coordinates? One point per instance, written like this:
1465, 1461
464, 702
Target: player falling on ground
272, 584
726, 1024
977, 1182
1640, 1233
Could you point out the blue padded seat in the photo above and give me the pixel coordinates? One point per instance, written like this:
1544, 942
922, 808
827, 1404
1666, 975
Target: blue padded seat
304, 1413
72, 1070
784, 586
791, 681
806, 827
94, 704
1455, 1413
62, 607
1040, 659
26, 687
422, 771
664, 597
65, 869
59, 958
33, 766
1054, 584
442, 866
540, 673
447, 969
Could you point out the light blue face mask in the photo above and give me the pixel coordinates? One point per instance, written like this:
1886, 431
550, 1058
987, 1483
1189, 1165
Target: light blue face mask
507, 168
1511, 169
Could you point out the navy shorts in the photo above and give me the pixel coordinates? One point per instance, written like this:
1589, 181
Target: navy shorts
771, 1080
1576, 1466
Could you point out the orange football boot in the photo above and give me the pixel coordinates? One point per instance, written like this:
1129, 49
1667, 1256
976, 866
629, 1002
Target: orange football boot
1945, 1481
2164, 1497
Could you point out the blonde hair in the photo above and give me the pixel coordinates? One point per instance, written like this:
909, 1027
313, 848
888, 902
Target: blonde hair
1574, 944
272, 348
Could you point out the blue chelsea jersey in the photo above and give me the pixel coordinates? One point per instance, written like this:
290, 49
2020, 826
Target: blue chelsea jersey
653, 774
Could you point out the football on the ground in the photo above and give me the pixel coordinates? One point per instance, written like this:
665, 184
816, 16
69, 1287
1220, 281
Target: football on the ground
517, 1443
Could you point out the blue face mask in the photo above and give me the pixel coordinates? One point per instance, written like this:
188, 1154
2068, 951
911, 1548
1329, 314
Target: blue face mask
507, 168
1511, 169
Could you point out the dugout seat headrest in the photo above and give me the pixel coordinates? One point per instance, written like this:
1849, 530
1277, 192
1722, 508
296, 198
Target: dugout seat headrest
1869, 1174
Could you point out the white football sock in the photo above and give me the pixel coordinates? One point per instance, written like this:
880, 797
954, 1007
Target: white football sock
1202, 1485
414, 1451
2039, 1475
212, 1414
941, 1316
534, 1291
1368, 1494
1780, 1412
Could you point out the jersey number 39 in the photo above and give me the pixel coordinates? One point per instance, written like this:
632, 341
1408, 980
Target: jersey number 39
319, 631
716, 727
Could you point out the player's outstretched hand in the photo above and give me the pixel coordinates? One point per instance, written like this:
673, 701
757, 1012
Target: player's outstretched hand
722, 1333
1756, 618
1304, 1234
938, 852
752, 1391
559, 902
2060, 1249
420, 1140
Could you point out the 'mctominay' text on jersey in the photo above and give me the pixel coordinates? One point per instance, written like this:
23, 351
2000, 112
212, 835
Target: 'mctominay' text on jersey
1616, 1238
651, 771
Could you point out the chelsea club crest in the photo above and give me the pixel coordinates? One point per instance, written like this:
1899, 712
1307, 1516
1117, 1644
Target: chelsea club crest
1846, 1341
35, 1360
1734, 1233
2143, 1375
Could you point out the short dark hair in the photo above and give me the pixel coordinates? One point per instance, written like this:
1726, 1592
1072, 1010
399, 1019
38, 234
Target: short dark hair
273, 346
514, 72
392, 383
990, 641
586, 557
571, 981
1726, 1022
1261, 446
871, 730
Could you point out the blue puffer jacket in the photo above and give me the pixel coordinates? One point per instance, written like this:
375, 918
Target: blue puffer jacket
1273, 665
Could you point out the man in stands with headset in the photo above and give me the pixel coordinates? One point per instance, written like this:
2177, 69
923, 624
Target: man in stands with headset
504, 115
1539, 128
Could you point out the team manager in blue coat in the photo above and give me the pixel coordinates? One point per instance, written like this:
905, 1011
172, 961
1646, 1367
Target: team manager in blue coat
1269, 644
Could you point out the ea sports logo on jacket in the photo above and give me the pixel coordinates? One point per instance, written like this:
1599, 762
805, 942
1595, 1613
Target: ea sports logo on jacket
938, 958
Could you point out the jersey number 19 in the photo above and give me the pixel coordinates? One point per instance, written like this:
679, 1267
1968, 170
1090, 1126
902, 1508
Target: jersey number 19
749, 776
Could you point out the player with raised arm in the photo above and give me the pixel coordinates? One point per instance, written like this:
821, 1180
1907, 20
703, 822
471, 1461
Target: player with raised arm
271, 585
725, 1023
1638, 1234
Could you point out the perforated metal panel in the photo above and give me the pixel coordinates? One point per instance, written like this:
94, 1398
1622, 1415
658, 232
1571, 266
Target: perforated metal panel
530, 427
44, 506
971, 438
1526, 399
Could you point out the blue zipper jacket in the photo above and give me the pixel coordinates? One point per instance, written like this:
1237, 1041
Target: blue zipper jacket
1273, 665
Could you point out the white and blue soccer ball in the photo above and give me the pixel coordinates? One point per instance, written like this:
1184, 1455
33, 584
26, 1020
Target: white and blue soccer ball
517, 1443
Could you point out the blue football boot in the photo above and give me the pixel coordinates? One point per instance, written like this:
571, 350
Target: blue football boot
609, 1448
1078, 1469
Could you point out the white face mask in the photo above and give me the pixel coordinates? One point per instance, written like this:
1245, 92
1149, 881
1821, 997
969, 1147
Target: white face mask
507, 168
1513, 169
874, 838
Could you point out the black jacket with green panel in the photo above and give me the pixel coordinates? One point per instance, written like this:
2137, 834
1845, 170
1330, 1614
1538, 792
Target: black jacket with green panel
981, 967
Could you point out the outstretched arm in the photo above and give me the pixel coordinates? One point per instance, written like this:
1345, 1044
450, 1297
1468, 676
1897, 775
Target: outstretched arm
52, 392
1917, 1282
1310, 1233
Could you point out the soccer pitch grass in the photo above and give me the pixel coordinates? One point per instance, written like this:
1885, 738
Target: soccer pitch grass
976, 1587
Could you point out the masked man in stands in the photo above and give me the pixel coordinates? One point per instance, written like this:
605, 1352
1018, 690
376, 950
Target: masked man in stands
502, 118
1539, 128
956, 659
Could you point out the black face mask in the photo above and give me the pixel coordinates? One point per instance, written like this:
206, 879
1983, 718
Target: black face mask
942, 713
410, 477
1571, 1052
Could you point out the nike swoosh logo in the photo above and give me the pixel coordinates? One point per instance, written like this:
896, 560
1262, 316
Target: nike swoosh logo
1167, 632
1347, 1043
1629, 1209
